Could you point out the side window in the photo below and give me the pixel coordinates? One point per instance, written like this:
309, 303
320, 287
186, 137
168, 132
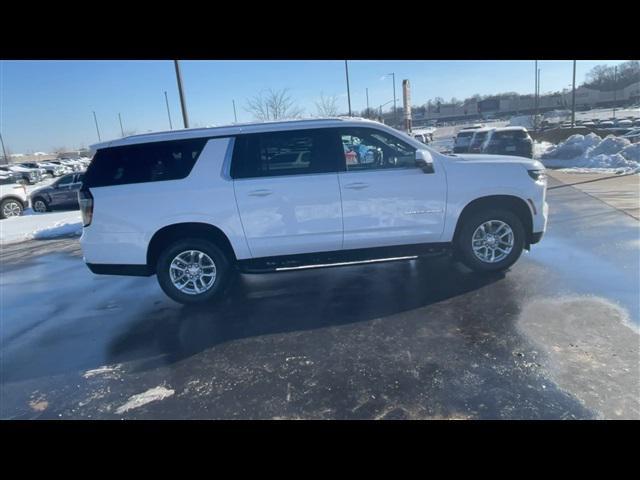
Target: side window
369, 149
146, 162
295, 152
65, 181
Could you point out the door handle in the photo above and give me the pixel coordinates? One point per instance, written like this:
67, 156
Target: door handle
260, 193
356, 186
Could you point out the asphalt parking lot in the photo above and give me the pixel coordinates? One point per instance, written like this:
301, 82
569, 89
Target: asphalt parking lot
554, 338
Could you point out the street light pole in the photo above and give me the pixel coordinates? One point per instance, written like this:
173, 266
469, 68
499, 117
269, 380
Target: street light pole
235, 115
573, 97
4, 152
346, 69
97, 129
185, 118
367, 101
166, 100
121, 129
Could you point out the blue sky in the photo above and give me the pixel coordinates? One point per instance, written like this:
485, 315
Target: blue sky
49, 104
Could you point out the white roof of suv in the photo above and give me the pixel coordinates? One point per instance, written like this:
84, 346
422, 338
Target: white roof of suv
238, 128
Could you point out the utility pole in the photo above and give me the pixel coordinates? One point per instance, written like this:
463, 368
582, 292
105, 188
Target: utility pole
166, 100
395, 111
573, 97
121, 129
538, 88
615, 89
97, 129
535, 96
346, 69
4, 152
185, 118
235, 115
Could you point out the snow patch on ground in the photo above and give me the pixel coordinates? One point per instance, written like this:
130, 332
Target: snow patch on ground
151, 395
107, 370
40, 226
591, 154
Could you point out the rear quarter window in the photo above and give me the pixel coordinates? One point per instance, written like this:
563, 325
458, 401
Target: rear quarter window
142, 163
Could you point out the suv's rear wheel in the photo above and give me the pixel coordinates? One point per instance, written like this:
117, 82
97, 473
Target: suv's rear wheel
491, 240
192, 271
10, 208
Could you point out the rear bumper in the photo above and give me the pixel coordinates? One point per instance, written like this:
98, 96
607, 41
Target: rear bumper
116, 269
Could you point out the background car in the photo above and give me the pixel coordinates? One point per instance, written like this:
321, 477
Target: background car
478, 138
463, 139
29, 175
61, 194
53, 169
13, 197
14, 176
509, 141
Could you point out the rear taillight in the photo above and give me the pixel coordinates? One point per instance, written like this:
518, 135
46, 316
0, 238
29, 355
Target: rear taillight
85, 199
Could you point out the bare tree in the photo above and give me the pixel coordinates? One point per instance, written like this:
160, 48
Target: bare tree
273, 105
370, 113
327, 106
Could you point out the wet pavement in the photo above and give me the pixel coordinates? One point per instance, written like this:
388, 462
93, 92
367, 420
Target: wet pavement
554, 338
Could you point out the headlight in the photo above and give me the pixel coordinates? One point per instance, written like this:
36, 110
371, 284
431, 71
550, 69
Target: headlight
538, 175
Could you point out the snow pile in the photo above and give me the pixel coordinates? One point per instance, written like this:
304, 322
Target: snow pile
40, 227
590, 153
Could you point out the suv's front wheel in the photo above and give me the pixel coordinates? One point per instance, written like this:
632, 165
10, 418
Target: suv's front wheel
192, 271
491, 240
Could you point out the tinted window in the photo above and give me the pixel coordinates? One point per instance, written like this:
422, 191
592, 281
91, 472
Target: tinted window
508, 136
6, 181
147, 162
66, 180
367, 149
294, 152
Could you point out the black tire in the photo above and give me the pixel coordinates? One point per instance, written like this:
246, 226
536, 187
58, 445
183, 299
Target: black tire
40, 199
16, 206
220, 260
464, 244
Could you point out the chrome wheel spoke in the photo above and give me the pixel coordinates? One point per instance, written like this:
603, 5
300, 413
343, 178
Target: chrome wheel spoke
192, 272
492, 241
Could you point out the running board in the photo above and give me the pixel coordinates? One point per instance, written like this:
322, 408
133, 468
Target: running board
341, 258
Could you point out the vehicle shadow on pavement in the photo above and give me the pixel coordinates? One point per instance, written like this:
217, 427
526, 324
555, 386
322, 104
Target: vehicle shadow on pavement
267, 304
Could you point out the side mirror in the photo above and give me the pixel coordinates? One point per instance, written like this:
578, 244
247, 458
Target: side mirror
424, 161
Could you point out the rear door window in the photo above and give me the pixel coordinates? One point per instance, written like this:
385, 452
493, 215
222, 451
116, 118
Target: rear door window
146, 162
294, 152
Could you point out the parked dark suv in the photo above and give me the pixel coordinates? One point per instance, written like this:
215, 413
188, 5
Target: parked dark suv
513, 141
63, 194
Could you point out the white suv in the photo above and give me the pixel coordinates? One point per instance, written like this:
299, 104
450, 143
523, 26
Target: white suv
13, 197
194, 206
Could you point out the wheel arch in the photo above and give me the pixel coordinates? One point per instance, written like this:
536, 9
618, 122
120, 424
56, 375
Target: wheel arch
176, 231
508, 202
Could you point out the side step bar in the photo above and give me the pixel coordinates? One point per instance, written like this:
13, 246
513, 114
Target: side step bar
341, 258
